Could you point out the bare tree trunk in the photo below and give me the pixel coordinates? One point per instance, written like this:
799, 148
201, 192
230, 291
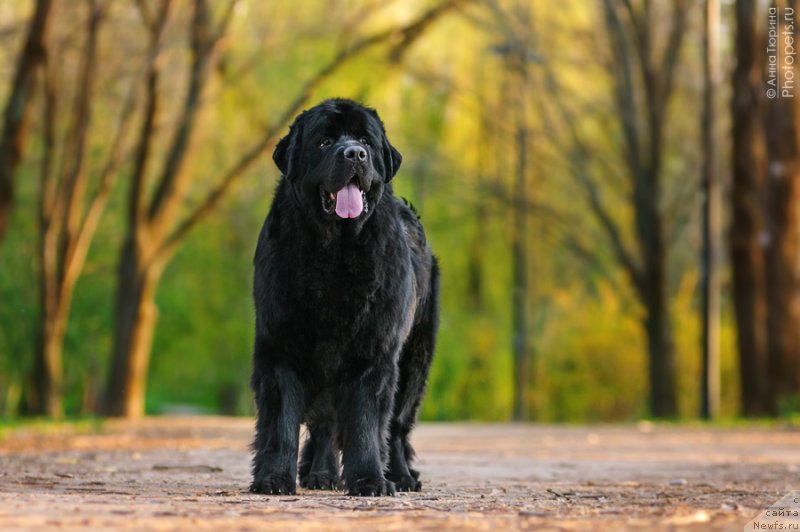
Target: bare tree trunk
782, 250
519, 275
136, 315
488, 174
67, 221
135, 310
516, 25
709, 284
44, 397
48, 372
60, 222
660, 346
55, 303
747, 219
17, 111
643, 81
650, 225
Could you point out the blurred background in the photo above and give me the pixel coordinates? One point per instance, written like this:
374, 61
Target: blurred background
612, 192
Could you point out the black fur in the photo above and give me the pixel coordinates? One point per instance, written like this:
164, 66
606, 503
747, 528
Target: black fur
346, 314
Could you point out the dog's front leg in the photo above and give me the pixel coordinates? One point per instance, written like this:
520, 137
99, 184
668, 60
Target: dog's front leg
279, 399
364, 409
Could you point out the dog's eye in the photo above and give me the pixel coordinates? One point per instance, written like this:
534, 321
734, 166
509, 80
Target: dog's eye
325, 142
364, 141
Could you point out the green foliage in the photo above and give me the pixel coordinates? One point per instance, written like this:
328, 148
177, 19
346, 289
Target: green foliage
446, 109
18, 305
591, 362
204, 339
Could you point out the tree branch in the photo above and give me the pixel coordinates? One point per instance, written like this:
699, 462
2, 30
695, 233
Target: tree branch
672, 50
560, 219
151, 108
577, 158
107, 178
48, 184
154, 22
17, 111
47, 233
169, 192
408, 33
625, 96
74, 181
225, 21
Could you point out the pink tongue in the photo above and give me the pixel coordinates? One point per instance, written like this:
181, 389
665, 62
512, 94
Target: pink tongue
348, 202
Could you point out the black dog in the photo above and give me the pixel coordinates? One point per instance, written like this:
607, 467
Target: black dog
346, 296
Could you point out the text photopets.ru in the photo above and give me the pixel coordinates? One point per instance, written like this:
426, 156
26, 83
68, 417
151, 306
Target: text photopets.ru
781, 53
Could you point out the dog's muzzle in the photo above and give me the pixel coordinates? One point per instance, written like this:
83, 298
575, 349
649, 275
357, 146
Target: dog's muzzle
350, 201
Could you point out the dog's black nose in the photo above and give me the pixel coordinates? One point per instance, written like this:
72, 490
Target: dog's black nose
355, 153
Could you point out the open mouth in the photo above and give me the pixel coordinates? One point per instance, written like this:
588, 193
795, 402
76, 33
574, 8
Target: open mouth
348, 202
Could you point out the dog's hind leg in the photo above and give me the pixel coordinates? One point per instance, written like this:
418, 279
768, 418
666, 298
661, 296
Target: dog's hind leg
319, 467
279, 398
415, 362
306, 458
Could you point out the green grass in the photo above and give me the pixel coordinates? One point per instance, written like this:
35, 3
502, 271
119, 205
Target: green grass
39, 426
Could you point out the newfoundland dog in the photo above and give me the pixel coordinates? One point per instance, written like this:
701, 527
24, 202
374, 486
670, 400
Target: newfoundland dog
346, 298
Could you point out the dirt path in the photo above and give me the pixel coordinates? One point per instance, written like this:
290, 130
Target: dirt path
168, 473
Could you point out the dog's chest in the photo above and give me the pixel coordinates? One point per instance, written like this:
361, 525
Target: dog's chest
339, 291
340, 312
352, 301
342, 301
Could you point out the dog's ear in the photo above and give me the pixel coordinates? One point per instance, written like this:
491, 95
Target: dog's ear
287, 151
391, 159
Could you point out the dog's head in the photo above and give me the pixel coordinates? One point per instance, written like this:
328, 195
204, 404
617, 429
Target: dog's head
338, 160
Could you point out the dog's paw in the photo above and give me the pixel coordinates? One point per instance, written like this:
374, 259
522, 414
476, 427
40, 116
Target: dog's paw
274, 484
371, 487
414, 473
319, 480
407, 483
